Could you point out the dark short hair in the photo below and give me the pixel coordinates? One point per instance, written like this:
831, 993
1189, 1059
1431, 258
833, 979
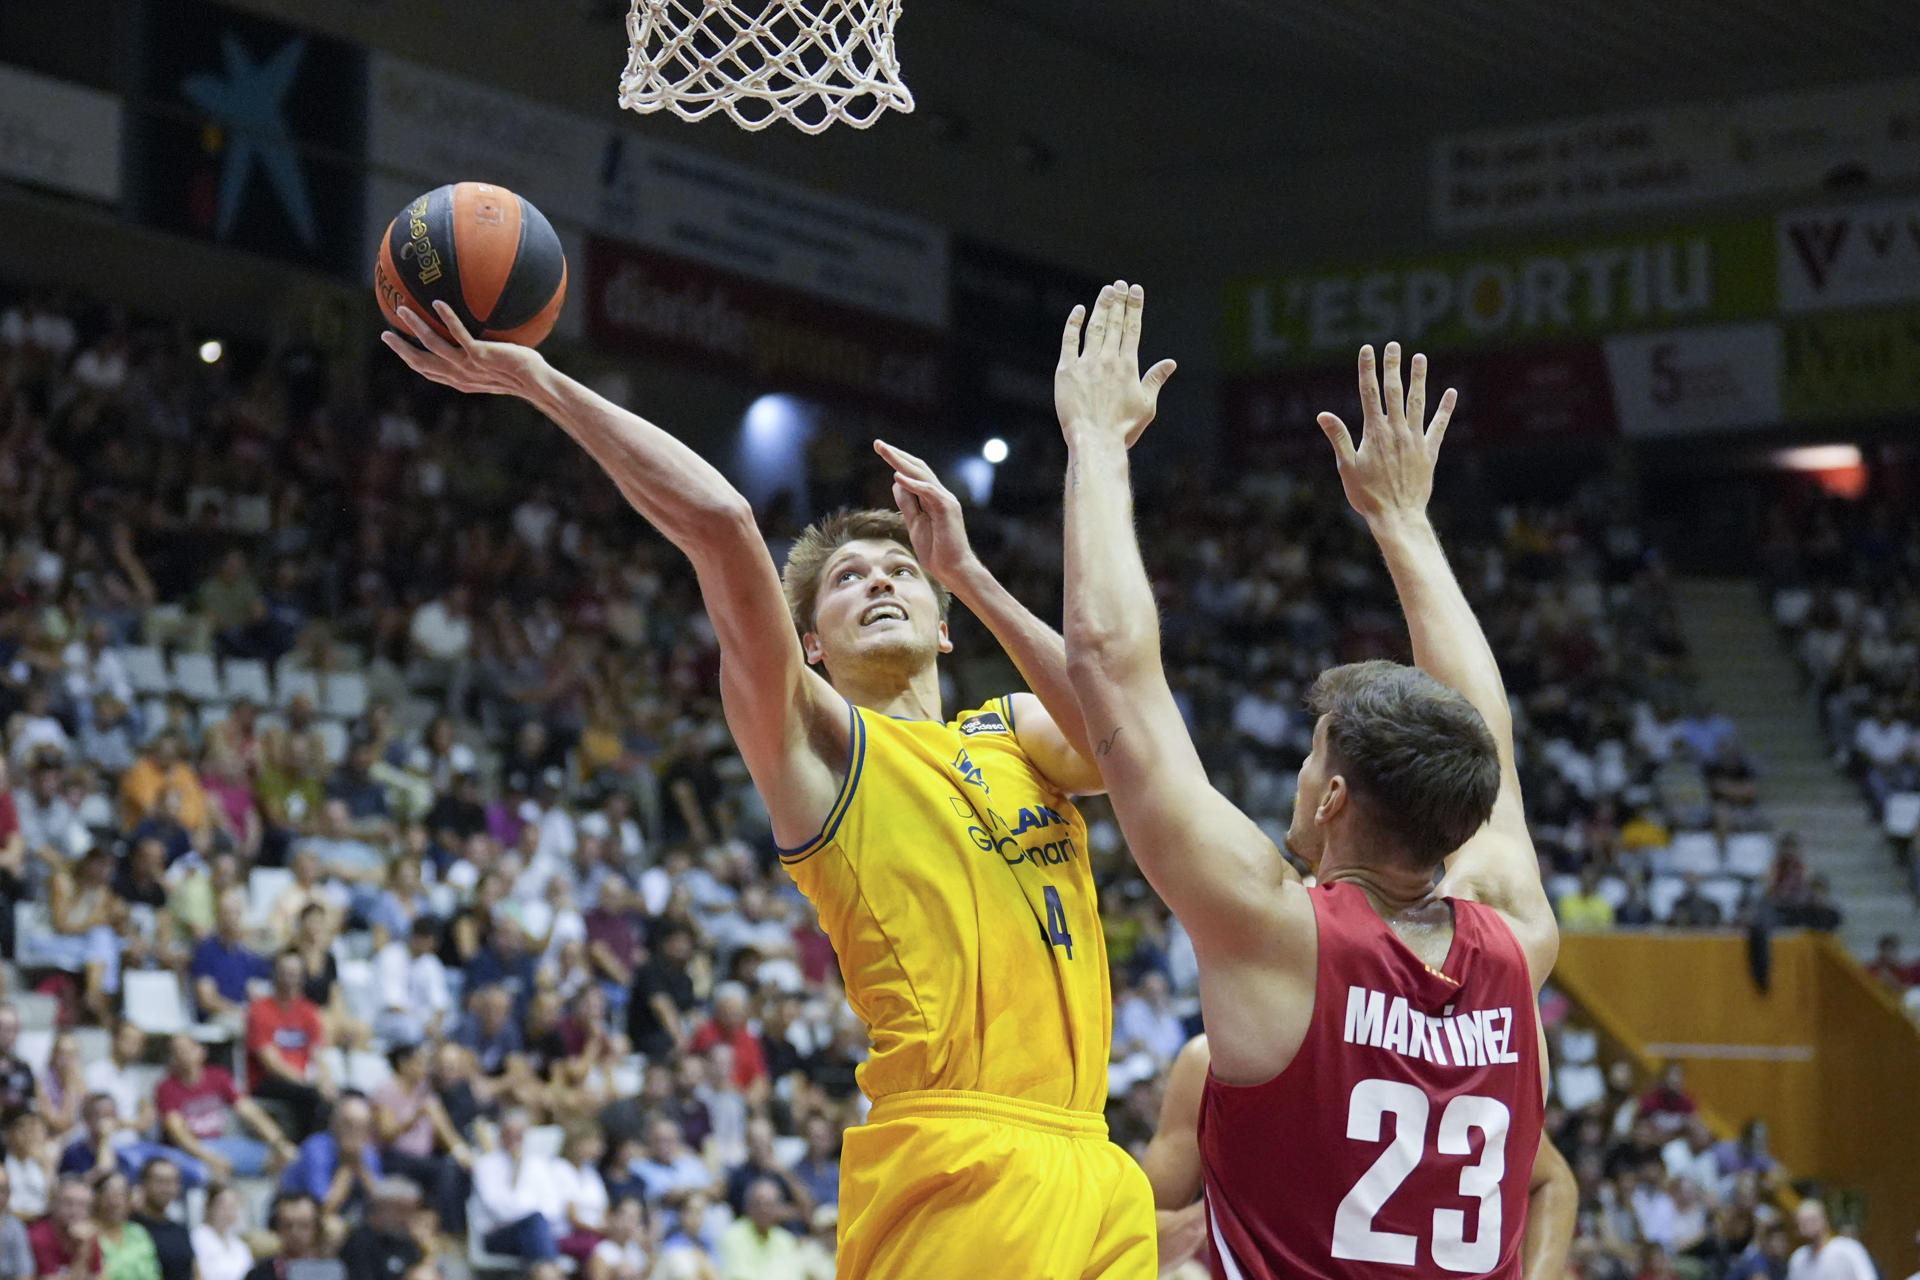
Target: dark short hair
1417, 755
285, 1198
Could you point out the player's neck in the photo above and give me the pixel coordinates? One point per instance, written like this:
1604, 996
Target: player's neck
914, 697
1394, 890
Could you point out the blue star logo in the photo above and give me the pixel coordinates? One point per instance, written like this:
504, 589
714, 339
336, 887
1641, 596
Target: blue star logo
247, 102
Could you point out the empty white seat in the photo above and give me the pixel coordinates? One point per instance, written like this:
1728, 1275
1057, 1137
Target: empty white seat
294, 682
543, 1141
153, 1001
333, 736
1903, 814
146, 669
246, 678
1750, 853
1726, 893
345, 695
264, 887
195, 676
1614, 890
1663, 893
1695, 852
1559, 886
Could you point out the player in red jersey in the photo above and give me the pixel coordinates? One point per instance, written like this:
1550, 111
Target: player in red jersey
1172, 1162
1377, 1083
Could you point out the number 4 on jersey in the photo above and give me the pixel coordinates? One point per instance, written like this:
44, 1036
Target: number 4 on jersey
1057, 933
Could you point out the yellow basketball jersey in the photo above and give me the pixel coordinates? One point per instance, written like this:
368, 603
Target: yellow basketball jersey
953, 880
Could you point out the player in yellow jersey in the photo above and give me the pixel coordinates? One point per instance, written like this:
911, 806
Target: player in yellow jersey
945, 856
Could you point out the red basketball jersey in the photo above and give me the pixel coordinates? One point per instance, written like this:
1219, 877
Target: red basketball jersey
1400, 1139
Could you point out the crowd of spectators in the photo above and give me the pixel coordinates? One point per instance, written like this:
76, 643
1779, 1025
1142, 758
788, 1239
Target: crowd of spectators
1843, 583
386, 743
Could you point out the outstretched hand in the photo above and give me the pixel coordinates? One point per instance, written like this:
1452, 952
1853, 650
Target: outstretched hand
1098, 387
1391, 473
935, 523
466, 363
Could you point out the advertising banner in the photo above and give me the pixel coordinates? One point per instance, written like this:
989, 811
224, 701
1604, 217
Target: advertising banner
1537, 395
695, 207
654, 304
1858, 255
1697, 380
253, 137
429, 128
58, 135
1639, 160
1853, 366
1543, 293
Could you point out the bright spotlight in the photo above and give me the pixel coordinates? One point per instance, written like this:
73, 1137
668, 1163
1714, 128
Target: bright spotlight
995, 451
211, 351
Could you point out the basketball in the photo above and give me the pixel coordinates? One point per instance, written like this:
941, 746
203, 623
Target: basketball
481, 249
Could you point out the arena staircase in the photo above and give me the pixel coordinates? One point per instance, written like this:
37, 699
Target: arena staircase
1750, 677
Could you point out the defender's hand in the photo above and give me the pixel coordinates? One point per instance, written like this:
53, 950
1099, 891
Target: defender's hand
1097, 387
467, 363
1391, 473
935, 522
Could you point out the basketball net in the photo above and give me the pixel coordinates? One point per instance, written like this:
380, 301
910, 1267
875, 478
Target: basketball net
765, 60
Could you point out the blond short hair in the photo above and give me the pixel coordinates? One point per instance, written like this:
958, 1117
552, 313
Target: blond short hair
800, 580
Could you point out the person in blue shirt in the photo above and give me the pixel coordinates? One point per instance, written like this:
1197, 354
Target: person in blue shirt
339, 1165
223, 964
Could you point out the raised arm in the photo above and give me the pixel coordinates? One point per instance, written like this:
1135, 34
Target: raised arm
1388, 480
790, 726
1046, 723
1218, 871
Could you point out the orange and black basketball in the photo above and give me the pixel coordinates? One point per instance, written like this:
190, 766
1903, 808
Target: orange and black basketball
481, 249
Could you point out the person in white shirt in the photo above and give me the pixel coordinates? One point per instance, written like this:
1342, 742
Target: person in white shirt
622, 1254
219, 1252
1826, 1256
441, 634
1881, 741
513, 1195
414, 997
581, 1193
115, 1076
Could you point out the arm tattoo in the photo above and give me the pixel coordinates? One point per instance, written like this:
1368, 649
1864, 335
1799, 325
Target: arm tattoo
1107, 745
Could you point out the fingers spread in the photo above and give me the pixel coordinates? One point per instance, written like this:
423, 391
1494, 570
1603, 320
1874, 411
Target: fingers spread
1369, 389
1070, 339
1390, 388
414, 357
1338, 436
1441, 417
1417, 393
1130, 332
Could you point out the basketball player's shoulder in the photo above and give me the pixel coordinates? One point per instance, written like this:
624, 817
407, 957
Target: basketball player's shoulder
994, 718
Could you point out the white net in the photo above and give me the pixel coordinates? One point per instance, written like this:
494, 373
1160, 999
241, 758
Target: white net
765, 60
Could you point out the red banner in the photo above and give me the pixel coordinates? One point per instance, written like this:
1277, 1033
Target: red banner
654, 304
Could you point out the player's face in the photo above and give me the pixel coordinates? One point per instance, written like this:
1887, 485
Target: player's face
875, 608
1305, 838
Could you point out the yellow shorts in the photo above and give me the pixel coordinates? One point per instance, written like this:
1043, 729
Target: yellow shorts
973, 1186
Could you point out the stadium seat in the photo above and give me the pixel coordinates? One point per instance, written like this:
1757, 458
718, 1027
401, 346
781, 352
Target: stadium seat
345, 696
264, 887
1750, 853
1662, 894
333, 736
246, 678
195, 676
544, 1141
1694, 852
153, 1001
146, 669
1727, 893
35, 1047
1903, 814
1614, 890
292, 682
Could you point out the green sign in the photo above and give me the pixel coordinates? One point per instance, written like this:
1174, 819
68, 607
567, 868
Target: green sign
1854, 364
1507, 297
